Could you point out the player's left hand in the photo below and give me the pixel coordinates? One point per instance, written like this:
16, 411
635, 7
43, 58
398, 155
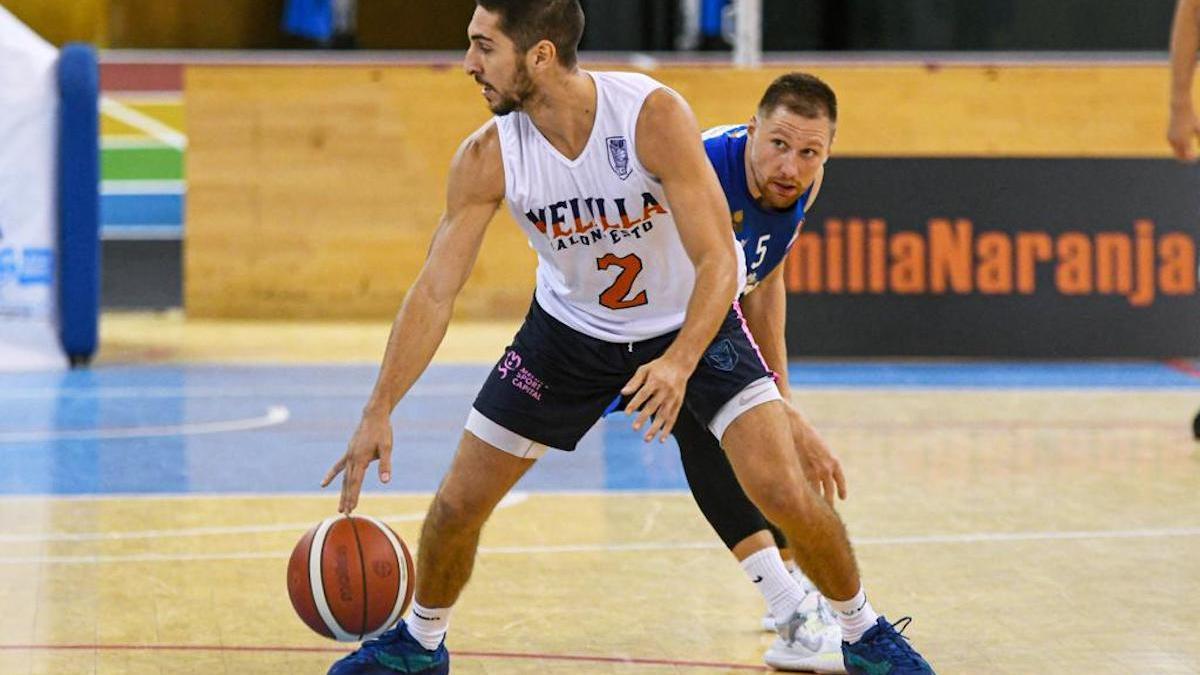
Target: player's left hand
657, 393
1182, 131
822, 467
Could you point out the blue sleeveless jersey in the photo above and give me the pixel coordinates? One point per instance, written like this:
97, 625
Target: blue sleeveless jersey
764, 234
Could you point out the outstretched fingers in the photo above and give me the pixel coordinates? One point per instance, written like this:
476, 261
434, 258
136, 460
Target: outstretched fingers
334, 471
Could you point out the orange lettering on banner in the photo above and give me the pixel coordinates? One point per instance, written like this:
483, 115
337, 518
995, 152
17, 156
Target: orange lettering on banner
1177, 257
908, 263
856, 255
833, 256
807, 257
1074, 273
1114, 260
791, 269
1032, 248
1143, 290
950, 255
877, 246
994, 275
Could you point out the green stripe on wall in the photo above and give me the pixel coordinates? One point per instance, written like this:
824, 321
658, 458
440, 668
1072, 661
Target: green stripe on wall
141, 164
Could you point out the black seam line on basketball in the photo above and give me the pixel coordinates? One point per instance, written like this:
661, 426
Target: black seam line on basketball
362, 569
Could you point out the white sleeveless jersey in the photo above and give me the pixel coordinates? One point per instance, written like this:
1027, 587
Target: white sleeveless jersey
610, 261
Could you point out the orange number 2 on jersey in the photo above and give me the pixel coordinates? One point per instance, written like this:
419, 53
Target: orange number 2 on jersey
613, 297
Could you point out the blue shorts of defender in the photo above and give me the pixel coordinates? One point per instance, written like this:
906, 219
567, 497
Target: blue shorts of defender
554, 382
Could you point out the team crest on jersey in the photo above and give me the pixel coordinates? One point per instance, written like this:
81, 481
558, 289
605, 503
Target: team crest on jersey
618, 156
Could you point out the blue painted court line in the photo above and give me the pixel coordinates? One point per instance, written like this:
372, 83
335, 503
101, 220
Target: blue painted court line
992, 375
209, 429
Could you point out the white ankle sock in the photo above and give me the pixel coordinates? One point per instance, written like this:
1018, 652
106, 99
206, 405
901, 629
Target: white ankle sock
782, 593
855, 616
428, 625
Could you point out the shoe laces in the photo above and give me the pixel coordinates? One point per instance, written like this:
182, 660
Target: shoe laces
894, 644
365, 651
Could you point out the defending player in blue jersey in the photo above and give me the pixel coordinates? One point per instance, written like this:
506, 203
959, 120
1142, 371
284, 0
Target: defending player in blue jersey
771, 171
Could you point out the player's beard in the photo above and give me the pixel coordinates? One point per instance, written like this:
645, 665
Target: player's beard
522, 89
766, 198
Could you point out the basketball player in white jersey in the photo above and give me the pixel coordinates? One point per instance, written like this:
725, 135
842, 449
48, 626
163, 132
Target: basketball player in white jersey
637, 271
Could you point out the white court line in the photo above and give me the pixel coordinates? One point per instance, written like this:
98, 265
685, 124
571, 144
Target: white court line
509, 500
32, 393
151, 126
221, 392
184, 532
276, 414
980, 537
315, 494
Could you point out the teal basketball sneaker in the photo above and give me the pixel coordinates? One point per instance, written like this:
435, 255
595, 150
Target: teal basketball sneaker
884, 651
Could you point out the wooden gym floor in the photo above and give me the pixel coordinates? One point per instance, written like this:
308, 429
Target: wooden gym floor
1032, 518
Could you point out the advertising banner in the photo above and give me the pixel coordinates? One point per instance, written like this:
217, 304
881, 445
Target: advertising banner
1053, 258
28, 117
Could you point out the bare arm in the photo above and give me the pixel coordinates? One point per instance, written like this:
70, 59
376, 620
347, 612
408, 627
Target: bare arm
1185, 40
765, 309
669, 146
474, 191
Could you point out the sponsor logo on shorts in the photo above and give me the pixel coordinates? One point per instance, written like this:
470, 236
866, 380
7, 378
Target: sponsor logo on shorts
721, 355
512, 361
522, 378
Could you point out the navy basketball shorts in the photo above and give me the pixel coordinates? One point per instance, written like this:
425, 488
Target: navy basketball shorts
554, 382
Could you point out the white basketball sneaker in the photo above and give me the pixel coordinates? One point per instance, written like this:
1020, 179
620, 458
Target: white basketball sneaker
768, 620
809, 640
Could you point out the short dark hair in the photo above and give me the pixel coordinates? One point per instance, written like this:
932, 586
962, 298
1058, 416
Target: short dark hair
528, 22
801, 93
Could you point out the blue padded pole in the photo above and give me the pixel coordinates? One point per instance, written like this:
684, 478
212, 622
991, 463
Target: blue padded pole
710, 17
79, 202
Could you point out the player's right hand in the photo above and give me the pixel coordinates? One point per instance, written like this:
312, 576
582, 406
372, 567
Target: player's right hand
656, 390
372, 440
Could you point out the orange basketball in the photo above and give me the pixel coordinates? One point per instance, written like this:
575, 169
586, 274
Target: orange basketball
350, 578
